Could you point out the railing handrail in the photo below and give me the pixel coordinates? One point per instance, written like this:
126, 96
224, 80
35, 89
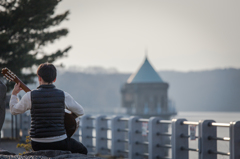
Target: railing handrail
190, 123
219, 124
143, 120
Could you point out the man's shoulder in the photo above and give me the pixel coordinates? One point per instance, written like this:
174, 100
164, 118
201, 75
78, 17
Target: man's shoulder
67, 94
47, 91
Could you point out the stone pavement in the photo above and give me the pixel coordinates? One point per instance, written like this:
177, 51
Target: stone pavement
11, 146
46, 154
8, 150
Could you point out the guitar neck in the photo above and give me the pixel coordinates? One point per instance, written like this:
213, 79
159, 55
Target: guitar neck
22, 85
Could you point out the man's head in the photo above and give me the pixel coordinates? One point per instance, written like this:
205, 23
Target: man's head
47, 72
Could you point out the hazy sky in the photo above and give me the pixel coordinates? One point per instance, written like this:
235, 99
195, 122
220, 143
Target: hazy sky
181, 35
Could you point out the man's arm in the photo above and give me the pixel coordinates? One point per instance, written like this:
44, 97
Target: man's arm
72, 105
16, 106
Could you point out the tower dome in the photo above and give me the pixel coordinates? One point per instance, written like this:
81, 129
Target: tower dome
145, 74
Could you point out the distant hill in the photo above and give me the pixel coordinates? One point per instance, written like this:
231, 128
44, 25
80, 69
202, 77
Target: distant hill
93, 91
213, 90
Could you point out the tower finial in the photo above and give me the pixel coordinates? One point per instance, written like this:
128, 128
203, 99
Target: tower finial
146, 52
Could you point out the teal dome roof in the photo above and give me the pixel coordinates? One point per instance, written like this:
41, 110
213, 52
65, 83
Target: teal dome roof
146, 74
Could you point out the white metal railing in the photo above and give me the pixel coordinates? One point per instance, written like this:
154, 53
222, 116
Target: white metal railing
137, 138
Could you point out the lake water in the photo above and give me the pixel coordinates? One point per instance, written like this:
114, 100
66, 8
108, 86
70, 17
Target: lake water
220, 117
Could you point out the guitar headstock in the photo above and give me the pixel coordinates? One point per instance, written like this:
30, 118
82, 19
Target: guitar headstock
8, 74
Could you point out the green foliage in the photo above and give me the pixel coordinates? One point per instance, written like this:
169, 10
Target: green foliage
26, 26
27, 146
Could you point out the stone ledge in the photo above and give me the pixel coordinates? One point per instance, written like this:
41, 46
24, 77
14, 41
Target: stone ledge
45, 154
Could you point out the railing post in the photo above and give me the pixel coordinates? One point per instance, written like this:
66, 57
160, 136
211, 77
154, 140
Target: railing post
179, 139
155, 140
117, 136
135, 136
87, 132
234, 140
26, 120
101, 135
206, 144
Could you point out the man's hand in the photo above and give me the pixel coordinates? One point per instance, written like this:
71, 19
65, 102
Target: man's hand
16, 89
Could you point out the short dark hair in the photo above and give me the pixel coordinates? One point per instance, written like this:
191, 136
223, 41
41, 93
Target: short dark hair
47, 71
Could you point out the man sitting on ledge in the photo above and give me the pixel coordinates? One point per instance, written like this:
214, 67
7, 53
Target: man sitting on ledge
47, 105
